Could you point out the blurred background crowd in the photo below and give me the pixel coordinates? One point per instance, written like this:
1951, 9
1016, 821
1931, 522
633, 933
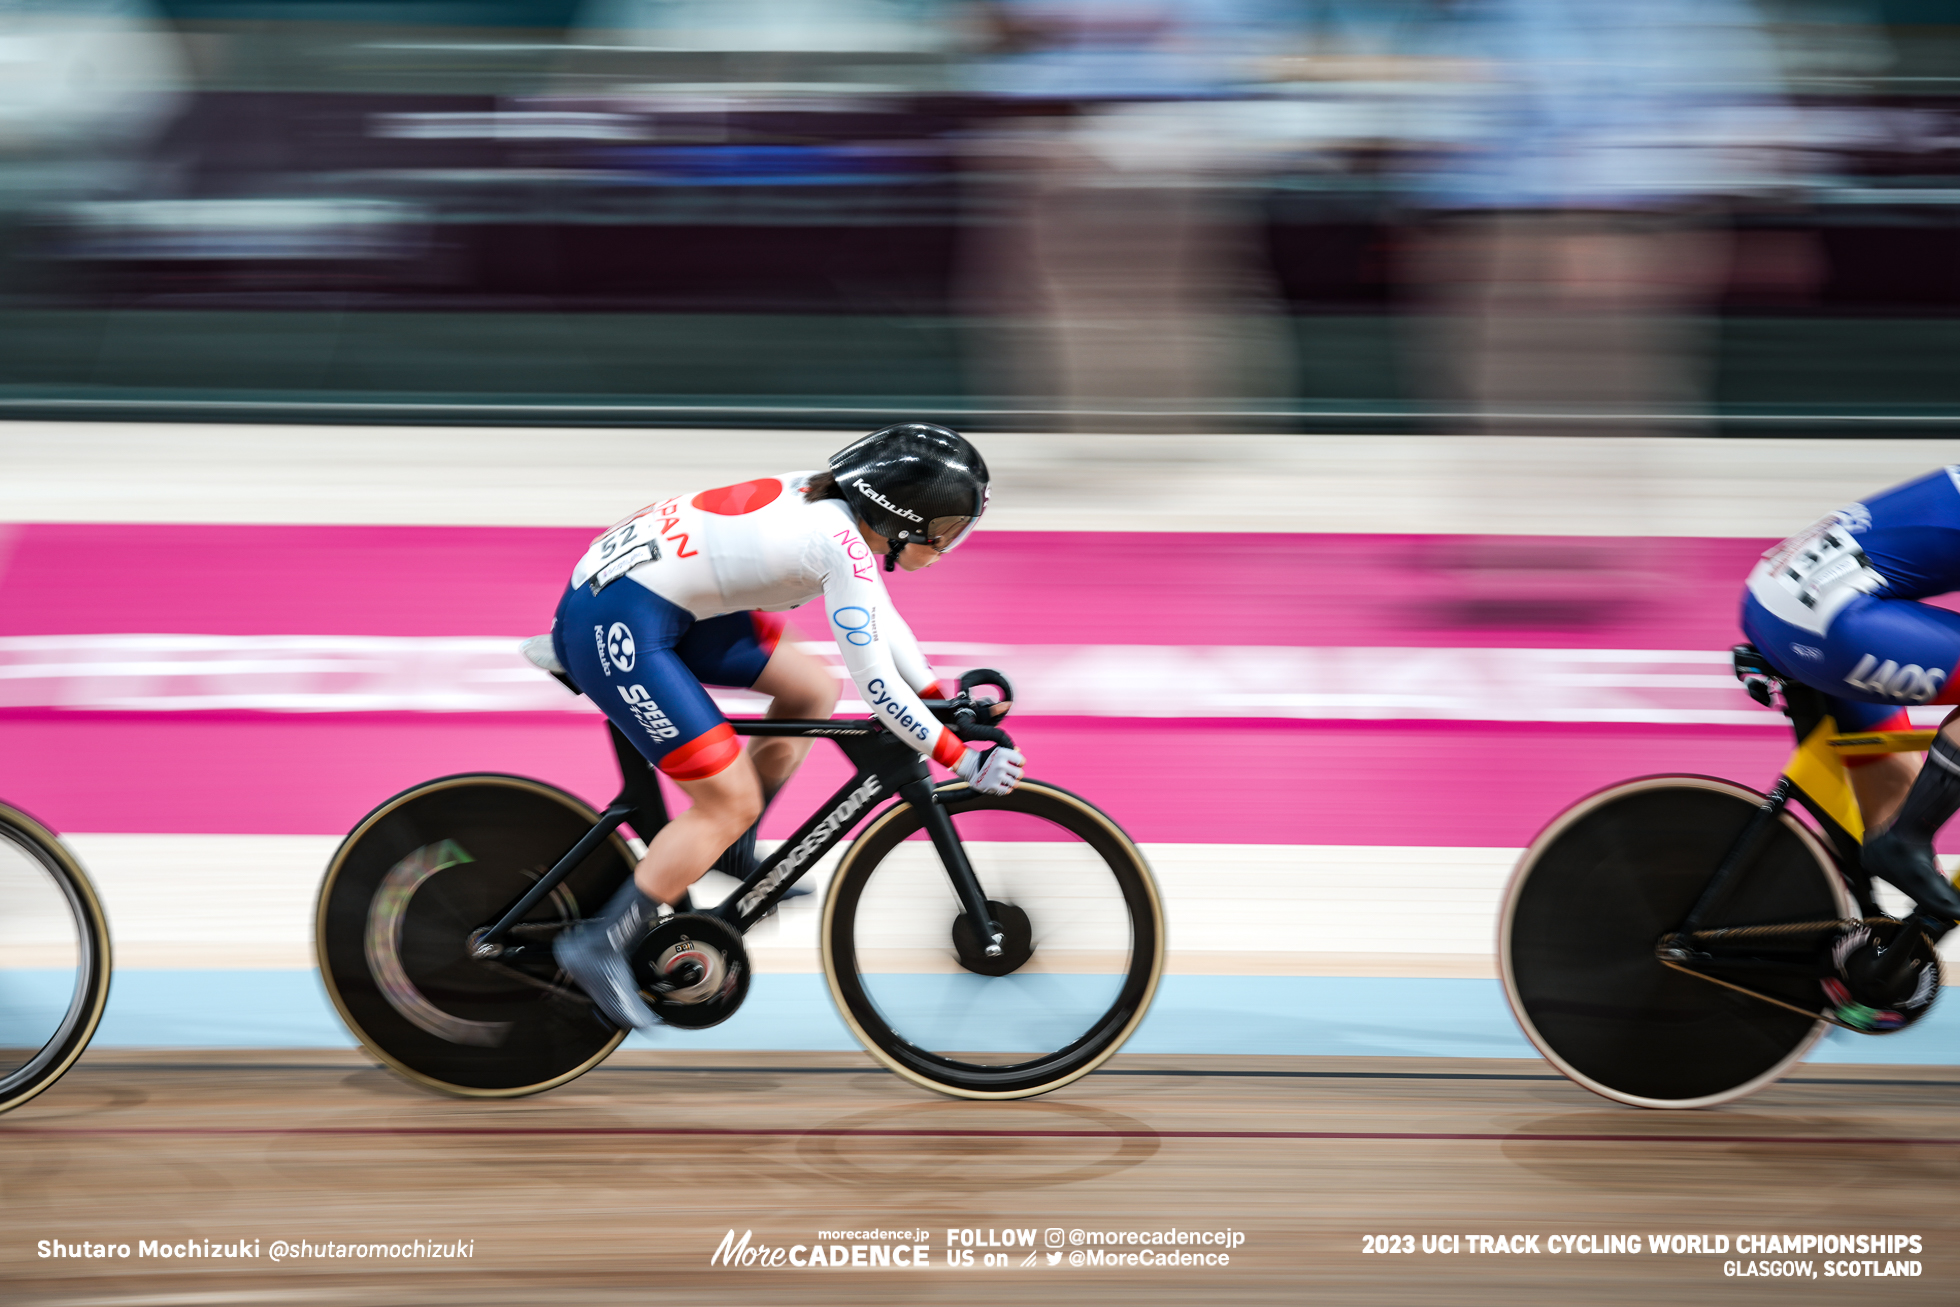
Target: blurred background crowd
1467, 215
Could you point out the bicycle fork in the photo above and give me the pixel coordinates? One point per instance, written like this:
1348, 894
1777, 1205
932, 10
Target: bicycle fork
952, 855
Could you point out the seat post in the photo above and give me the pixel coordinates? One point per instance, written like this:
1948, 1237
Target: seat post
639, 792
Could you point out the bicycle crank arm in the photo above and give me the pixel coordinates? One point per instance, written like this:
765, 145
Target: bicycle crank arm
952, 856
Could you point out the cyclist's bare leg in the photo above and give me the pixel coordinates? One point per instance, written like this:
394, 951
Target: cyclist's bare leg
597, 951
800, 687
724, 805
1881, 786
1901, 854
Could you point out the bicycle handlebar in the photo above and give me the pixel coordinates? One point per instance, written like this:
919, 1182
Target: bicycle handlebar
961, 713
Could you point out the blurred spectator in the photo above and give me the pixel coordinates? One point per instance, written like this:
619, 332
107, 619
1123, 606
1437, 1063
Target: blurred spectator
1114, 262
84, 86
1576, 205
752, 26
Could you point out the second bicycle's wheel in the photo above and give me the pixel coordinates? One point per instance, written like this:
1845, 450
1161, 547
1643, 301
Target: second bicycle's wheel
396, 911
54, 958
1595, 893
1085, 944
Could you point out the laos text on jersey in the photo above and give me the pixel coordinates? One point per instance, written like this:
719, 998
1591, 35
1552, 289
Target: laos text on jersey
1835, 607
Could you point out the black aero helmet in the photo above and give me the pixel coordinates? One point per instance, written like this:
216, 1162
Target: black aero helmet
913, 483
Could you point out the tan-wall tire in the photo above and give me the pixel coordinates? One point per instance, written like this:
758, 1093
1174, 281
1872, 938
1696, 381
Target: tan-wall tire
91, 998
870, 847
1549, 839
376, 1047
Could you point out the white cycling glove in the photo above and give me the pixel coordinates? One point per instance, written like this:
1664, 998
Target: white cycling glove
996, 771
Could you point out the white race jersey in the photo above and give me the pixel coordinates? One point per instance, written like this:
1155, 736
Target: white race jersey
761, 545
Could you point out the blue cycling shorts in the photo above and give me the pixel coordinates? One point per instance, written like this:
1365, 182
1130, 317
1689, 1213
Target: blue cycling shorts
643, 660
1876, 657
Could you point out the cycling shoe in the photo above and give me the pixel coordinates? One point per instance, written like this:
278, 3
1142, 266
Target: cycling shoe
1909, 866
594, 952
602, 972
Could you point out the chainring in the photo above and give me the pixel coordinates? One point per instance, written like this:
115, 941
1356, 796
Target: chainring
1857, 999
693, 970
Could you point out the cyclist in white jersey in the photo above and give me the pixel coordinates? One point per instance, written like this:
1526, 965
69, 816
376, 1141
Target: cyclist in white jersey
689, 591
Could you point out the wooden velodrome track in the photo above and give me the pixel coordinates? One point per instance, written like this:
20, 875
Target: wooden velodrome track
619, 1187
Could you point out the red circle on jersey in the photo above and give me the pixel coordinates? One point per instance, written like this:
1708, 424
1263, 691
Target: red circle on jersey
733, 501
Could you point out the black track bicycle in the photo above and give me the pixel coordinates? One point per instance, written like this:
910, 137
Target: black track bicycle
54, 942
1681, 941
981, 946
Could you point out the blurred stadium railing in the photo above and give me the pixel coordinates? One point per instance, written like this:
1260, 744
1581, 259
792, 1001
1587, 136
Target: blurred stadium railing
1010, 213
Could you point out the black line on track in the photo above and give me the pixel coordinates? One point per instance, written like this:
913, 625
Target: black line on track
839, 1132
1820, 1080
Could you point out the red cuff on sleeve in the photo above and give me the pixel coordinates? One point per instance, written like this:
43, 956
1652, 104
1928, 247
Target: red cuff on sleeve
947, 750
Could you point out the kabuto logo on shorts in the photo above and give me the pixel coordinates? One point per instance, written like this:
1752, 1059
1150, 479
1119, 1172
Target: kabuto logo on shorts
1910, 684
619, 646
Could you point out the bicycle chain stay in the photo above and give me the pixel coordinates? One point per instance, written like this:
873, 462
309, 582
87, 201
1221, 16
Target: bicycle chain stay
1720, 933
1762, 932
1817, 1015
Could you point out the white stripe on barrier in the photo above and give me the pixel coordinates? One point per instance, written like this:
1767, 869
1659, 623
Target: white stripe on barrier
1399, 484
333, 674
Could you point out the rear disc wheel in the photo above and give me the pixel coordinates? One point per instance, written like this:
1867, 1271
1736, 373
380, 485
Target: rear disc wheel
404, 896
1592, 897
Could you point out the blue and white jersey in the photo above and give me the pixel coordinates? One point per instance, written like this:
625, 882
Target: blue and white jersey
1902, 544
1834, 606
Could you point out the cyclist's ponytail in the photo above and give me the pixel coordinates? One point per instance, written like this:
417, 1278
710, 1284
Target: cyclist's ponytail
823, 486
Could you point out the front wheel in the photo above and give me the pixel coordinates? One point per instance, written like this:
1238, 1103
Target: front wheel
1084, 929
1591, 899
54, 958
